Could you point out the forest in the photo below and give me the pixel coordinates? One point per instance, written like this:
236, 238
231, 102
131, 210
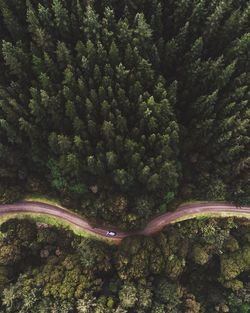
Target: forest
122, 109
196, 266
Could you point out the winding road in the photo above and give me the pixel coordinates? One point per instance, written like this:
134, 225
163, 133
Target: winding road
183, 212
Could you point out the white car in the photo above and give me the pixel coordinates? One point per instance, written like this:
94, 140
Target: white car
111, 233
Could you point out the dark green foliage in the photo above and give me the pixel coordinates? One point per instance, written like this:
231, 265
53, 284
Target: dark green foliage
9, 194
22, 231
93, 108
147, 99
105, 94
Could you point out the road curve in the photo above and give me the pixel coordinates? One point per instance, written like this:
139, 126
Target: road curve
183, 212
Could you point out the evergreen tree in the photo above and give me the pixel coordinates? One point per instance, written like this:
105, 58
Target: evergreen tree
144, 98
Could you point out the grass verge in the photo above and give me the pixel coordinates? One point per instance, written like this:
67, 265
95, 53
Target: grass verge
45, 199
210, 215
55, 221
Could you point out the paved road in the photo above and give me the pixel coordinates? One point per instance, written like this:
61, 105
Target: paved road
183, 212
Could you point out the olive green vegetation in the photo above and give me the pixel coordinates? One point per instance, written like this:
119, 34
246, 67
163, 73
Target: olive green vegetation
196, 266
206, 216
121, 109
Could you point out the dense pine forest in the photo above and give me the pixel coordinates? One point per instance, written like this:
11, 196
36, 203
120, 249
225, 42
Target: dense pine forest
197, 266
124, 108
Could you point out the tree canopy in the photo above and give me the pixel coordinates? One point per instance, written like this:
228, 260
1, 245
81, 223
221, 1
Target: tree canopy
144, 99
198, 266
